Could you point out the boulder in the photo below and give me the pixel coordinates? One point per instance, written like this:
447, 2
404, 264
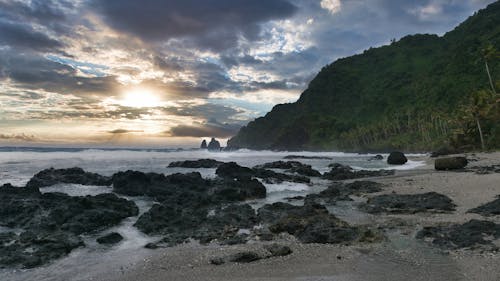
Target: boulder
341, 192
277, 250
214, 145
196, 164
409, 203
397, 158
111, 238
233, 170
377, 157
471, 234
74, 175
450, 163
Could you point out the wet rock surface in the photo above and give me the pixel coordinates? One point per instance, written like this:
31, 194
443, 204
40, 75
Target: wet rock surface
291, 167
74, 175
409, 203
472, 234
234, 171
310, 223
344, 172
341, 192
377, 157
397, 158
109, 239
450, 163
272, 250
196, 164
50, 224
488, 209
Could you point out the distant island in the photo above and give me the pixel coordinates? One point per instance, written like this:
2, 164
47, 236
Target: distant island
419, 93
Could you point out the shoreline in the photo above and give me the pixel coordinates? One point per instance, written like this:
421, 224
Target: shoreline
400, 257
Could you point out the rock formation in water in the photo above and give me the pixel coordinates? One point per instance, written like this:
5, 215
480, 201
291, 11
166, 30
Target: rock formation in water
204, 144
214, 145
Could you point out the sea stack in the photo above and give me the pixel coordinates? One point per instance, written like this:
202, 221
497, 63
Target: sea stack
203, 144
214, 145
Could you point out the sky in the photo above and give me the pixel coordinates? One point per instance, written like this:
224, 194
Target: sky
165, 73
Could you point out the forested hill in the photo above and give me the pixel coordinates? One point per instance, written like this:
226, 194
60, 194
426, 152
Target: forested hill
416, 94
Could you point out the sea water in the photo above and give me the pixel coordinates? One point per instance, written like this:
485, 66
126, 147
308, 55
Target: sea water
18, 165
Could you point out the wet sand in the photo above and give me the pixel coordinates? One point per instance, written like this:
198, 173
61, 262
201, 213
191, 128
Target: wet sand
400, 257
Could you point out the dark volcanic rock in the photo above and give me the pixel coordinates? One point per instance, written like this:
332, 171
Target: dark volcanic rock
270, 176
377, 157
396, 158
277, 250
310, 223
344, 172
196, 164
204, 144
75, 175
412, 203
111, 238
214, 145
234, 171
52, 222
450, 163
468, 235
292, 167
488, 209
342, 192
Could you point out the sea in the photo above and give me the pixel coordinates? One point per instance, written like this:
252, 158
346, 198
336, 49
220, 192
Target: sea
19, 164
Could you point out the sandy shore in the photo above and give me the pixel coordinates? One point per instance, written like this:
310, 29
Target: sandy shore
400, 257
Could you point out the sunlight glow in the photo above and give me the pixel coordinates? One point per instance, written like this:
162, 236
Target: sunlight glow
140, 98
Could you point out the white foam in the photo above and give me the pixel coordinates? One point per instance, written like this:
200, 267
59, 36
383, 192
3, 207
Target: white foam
286, 186
76, 189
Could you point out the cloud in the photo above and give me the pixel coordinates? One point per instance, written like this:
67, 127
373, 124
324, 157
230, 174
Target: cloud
19, 137
160, 20
332, 6
214, 129
123, 131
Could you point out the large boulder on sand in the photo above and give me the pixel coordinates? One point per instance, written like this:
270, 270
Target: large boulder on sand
397, 158
450, 163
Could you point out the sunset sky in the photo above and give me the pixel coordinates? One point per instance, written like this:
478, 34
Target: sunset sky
168, 73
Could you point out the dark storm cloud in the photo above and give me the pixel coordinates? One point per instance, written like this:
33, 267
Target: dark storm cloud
204, 130
163, 19
206, 111
24, 36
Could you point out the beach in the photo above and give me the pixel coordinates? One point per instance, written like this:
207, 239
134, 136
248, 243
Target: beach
400, 257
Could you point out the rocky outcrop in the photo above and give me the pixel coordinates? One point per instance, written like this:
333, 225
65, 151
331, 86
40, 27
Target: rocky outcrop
397, 158
409, 203
109, 239
214, 145
74, 175
344, 172
234, 171
450, 163
291, 167
341, 192
488, 209
50, 224
472, 234
196, 164
204, 145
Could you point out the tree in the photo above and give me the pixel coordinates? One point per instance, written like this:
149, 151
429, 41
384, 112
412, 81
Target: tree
480, 104
489, 52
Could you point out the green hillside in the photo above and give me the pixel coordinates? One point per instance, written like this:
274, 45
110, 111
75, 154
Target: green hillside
419, 93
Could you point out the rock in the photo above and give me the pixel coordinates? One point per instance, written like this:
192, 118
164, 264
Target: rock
485, 170
488, 209
397, 158
245, 257
233, 171
273, 177
75, 175
277, 250
217, 261
307, 157
196, 164
51, 223
412, 203
443, 151
450, 163
344, 172
214, 145
377, 157
111, 238
204, 145
342, 192
468, 235
310, 223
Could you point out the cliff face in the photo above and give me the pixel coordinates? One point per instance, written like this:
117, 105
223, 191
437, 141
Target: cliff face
404, 95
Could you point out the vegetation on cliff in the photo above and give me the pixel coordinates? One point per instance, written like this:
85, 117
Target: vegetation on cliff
419, 93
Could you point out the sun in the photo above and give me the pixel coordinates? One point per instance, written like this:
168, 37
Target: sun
140, 98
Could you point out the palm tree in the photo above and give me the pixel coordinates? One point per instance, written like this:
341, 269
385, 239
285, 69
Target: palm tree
490, 52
